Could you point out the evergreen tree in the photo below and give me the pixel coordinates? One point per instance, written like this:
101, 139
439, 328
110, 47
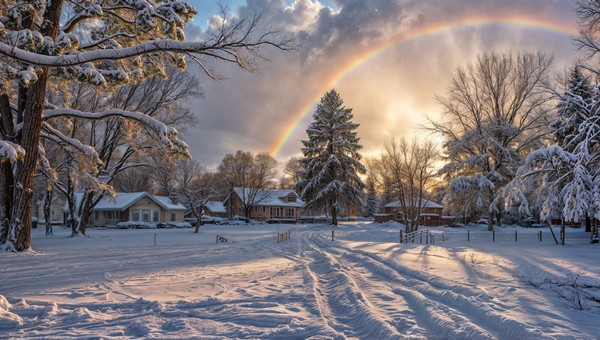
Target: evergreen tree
331, 158
573, 108
372, 203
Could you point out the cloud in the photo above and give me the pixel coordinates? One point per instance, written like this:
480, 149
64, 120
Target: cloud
390, 93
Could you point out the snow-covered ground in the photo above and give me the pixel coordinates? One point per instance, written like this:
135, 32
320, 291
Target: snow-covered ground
117, 283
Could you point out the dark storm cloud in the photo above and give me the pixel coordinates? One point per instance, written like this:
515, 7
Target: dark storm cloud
390, 94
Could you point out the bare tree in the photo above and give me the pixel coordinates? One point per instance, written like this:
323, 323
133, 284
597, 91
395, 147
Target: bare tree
195, 188
410, 168
134, 179
292, 173
252, 174
494, 113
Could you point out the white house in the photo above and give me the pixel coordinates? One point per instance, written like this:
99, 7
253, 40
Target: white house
134, 207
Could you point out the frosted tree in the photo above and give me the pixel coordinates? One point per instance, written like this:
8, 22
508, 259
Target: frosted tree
572, 110
123, 145
570, 180
105, 43
493, 113
332, 159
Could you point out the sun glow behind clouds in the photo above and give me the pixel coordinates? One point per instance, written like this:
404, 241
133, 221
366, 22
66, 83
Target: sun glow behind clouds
366, 55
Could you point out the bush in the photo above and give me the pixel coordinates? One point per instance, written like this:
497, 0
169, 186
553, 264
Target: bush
135, 225
166, 225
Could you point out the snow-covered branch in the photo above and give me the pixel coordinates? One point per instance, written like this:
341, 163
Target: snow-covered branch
166, 134
10, 151
224, 51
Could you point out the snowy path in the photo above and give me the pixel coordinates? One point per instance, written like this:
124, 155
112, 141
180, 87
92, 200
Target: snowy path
360, 286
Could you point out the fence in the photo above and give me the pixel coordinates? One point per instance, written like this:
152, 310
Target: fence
420, 235
515, 236
284, 237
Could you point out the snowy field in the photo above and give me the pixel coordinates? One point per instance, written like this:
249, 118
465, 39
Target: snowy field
118, 284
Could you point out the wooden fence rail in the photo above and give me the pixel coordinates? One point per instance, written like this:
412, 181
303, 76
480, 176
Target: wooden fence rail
420, 235
284, 236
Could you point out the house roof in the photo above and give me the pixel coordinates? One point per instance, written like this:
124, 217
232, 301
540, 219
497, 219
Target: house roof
168, 204
124, 200
427, 204
121, 201
271, 197
216, 207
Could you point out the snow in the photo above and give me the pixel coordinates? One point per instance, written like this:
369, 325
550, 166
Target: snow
116, 283
216, 207
168, 204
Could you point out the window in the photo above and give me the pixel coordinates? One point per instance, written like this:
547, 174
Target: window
291, 198
111, 215
289, 212
146, 215
155, 219
95, 215
136, 215
275, 212
173, 217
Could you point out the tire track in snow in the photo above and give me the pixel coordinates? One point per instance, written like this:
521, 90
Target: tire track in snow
426, 294
341, 302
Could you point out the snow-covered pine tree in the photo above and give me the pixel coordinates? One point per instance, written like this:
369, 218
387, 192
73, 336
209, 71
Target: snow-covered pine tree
372, 203
570, 180
572, 109
332, 159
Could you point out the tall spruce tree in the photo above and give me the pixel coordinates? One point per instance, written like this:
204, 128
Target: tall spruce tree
372, 202
573, 109
331, 158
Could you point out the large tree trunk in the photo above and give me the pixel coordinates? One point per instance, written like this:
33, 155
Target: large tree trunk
19, 228
6, 171
19, 236
85, 212
334, 220
198, 223
588, 224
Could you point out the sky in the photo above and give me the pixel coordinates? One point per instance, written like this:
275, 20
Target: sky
388, 59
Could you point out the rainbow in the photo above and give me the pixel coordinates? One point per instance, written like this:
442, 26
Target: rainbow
414, 34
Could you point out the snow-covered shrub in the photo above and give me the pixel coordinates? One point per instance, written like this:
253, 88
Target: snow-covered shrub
135, 225
173, 225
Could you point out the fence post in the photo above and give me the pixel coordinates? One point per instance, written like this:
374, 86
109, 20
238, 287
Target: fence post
493, 236
217, 239
401, 236
515, 236
468, 236
540, 236
155, 239
332, 235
